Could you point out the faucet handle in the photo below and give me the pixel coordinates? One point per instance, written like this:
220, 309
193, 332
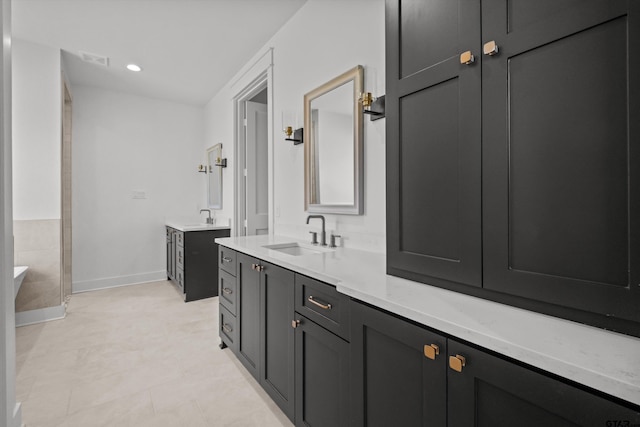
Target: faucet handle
332, 240
314, 237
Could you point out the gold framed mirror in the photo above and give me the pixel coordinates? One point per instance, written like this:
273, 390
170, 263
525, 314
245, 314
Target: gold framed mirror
333, 149
214, 177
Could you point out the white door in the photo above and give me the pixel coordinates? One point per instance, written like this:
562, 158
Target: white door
256, 178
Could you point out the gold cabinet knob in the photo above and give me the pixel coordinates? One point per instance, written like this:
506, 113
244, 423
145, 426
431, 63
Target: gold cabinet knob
431, 351
467, 58
295, 323
490, 48
457, 362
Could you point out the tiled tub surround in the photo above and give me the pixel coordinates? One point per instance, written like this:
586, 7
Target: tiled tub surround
37, 245
599, 359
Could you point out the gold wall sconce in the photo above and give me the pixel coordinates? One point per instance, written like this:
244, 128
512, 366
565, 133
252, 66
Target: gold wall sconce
202, 168
220, 162
293, 135
372, 106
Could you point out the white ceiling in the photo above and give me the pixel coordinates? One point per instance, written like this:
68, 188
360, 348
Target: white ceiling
188, 49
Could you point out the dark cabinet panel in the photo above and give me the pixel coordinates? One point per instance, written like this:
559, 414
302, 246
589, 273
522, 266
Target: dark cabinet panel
494, 392
248, 284
517, 174
277, 335
322, 377
394, 382
560, 178
433, 140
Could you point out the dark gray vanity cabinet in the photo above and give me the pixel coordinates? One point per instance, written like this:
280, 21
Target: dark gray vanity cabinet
264, 310
492, 391
515, 176
400, 378
191, 262
398, 371
322, 357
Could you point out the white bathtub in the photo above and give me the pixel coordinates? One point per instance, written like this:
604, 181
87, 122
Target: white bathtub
18, 276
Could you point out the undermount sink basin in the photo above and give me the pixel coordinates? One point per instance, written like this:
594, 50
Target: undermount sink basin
296, 249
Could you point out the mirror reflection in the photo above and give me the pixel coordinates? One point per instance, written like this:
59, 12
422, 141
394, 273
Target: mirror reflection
333, 154
214, 174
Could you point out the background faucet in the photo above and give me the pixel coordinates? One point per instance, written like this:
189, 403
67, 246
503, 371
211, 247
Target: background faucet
209, 220
323, 235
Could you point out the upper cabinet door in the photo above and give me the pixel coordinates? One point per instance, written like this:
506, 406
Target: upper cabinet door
433, 140
561, 150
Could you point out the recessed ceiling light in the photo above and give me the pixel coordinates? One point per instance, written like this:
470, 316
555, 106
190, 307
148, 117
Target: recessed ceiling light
134, 67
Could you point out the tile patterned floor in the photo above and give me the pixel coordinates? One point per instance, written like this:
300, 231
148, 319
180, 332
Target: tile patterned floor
136, 356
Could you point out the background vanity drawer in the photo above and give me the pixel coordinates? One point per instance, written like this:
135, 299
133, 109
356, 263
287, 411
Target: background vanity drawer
180, 257
180, 279
180, 238
323, 304
227, 260
228, 330
227, 291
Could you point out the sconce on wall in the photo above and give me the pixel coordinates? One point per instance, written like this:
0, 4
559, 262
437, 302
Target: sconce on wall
221, 162
202, 168
372, 106
293, 135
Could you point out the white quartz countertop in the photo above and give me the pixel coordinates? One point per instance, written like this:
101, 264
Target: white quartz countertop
194, 226
603, 360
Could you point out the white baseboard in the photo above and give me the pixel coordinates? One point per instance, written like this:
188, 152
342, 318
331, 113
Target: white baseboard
114, 282
39, 315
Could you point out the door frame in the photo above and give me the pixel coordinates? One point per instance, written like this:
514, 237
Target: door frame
256, 78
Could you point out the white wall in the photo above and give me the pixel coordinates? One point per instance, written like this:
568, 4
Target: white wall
324, 39
121, 144
36, 131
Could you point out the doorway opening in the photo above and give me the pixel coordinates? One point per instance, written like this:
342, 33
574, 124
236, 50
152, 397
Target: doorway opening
252, 159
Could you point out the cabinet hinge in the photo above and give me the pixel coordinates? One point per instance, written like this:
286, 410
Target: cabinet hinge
245, 122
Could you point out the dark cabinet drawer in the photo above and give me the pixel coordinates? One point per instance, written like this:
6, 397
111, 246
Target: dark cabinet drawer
323, 304
180, 279
227, 260
180, 257
180, 238
228, 329
228, 292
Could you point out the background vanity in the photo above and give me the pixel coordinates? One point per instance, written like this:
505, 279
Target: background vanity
191, 254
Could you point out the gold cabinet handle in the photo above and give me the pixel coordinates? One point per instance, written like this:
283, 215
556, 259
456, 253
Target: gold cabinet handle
228, 329
319, 304
457, 362
227, 291
490, 48
431, 351
467, 58
226, 259
295, 323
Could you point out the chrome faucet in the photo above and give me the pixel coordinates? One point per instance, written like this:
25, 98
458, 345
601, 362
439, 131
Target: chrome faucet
209, 220
323, 235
